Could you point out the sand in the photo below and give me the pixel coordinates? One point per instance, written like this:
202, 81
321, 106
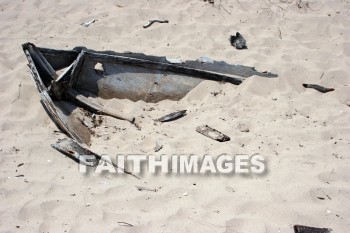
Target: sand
303, 134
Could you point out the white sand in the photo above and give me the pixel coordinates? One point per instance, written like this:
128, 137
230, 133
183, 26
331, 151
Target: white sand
303, 134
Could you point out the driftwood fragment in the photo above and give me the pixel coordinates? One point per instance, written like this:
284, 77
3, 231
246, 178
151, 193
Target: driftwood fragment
96, 107
318, 88
306, 229
76, 152
150, 22
172, 116
212, 133
82, 154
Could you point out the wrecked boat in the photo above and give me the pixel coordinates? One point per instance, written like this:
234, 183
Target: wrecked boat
70, 82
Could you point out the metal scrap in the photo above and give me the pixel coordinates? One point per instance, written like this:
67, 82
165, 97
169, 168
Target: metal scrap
82, 154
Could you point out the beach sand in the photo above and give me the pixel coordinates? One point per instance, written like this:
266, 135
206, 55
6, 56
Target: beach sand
303, 134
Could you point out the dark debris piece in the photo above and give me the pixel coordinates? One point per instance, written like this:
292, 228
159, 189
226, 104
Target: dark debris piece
150, 22
306, 229
172, 116
318, 88
238, 41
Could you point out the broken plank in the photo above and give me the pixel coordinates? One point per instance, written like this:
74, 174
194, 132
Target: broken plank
96, 107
